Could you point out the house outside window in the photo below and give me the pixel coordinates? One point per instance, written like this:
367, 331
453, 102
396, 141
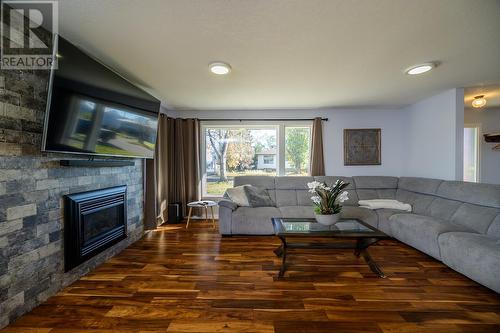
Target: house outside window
252, 148
266, 159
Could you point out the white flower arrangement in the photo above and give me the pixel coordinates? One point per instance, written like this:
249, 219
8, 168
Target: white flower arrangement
328, 199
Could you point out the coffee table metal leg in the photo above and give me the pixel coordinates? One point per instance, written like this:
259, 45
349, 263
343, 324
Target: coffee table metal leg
278, 251
362, 244
373, 265
283, 257
359, 247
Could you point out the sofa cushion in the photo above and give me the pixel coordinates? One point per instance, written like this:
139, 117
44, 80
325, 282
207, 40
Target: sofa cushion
352, 198
419, 185
330, 180
265, 182
420, 203
297, 211
304, 198
474, 255
286, 198
253, 221
272, 194
369, 194
477, 218
474, 193
237, 195
421, 232
443, 208
383, 219
258, 197
366, 215
292, 191
494, 228
376, 182
293, 183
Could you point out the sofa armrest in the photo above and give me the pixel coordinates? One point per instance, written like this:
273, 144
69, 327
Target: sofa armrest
226, 209
228, 204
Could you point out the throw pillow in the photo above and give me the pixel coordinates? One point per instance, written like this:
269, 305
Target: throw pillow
258, 197
237, 195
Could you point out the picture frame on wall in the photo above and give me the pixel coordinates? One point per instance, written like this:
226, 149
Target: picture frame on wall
362, 146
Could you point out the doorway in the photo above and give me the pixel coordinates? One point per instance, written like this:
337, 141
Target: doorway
471, 153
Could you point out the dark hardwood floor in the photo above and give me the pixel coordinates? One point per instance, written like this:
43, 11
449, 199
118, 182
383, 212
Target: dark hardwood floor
178, 280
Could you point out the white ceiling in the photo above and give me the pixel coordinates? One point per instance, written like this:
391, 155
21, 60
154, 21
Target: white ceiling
491, 94
290, 54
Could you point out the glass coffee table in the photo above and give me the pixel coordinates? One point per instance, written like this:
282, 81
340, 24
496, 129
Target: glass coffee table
359, 234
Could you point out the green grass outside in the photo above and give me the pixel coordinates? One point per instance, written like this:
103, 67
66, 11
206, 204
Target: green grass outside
218, 188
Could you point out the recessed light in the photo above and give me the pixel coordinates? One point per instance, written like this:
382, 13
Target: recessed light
420, 69
479, 101
219, 68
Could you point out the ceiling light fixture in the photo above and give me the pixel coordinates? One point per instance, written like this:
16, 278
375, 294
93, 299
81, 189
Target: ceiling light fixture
478, 101
420, 69
219, 68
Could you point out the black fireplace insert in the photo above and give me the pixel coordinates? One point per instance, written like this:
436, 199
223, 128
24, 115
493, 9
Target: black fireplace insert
94, 221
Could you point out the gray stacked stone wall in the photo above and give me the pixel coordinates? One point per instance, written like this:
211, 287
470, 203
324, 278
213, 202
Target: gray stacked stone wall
32, 185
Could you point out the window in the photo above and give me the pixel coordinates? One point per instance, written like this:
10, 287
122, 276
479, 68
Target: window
471, 153
269, 159
297, 150
252, 148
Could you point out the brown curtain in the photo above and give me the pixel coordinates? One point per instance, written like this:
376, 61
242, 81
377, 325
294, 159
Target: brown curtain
177, 162
317, 159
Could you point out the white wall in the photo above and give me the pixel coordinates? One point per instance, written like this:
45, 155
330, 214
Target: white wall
424, 139
489, 160
434, 137
391, 121
169, 112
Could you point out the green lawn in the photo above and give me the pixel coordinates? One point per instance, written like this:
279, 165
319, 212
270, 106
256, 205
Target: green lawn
218, 188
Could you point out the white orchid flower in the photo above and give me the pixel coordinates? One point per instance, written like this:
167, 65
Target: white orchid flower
313, 185
344, 196
316, 199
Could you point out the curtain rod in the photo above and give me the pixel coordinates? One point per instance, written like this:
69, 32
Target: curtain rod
277, 119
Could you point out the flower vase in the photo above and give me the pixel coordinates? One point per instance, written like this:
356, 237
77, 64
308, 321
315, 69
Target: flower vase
327, 219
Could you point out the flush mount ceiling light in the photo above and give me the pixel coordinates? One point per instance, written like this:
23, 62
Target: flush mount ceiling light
219, 68
420, 69
478, 101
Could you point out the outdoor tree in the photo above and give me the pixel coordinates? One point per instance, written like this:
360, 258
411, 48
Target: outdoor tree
297, 147
259, 147
218, 138
271, 141
240, 152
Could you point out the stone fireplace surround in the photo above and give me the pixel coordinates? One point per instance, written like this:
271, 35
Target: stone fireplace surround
32, 186
32, 225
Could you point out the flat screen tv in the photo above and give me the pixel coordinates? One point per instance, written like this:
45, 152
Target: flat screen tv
92, 110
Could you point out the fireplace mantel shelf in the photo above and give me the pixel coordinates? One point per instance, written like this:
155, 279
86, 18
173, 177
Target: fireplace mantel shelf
96, 164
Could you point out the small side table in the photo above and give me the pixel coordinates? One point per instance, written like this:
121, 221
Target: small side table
202, 204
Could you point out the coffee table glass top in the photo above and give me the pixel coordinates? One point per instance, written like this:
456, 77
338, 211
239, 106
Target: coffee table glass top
306, 226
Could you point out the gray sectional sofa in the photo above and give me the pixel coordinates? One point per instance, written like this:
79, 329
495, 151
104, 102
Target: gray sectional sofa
455, 222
